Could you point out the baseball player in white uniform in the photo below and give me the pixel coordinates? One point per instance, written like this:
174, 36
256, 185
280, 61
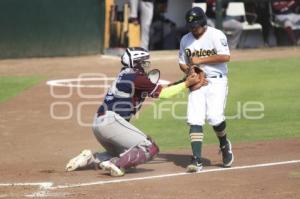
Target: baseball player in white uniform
207, 48
146, 8
125, 145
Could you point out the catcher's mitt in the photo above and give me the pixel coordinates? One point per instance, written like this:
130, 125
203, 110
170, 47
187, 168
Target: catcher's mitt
201, 81
154, 76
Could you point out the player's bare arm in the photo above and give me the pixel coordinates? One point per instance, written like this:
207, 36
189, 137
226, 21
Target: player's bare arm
210, 60
184, 68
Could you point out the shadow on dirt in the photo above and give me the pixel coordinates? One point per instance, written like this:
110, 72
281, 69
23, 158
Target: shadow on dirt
179, 159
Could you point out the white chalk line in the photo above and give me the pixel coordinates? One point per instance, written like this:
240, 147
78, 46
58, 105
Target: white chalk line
41, 185
172, 175
46, 193
154, 58
77, 82
49, 185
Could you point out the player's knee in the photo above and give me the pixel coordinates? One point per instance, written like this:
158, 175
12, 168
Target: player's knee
196, 128
215, 119
220, 127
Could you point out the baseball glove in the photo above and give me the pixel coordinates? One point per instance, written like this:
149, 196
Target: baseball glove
201, 81
154, 76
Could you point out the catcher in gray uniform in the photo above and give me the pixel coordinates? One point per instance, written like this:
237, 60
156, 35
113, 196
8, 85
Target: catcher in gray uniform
126, 146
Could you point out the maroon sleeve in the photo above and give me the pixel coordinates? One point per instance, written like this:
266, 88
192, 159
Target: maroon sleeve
143, 83
283, 6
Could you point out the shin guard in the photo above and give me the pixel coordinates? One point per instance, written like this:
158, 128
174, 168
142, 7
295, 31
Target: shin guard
137, 155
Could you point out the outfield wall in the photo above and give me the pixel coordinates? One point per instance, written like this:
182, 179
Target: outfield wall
39, 28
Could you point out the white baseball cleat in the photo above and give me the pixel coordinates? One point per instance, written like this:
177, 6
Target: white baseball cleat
112, 168
82, 160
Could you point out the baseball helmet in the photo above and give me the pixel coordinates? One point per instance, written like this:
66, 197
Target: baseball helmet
134, 57
195, 17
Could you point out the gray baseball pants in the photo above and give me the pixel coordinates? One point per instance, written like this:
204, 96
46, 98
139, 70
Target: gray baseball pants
116, 135
233, 26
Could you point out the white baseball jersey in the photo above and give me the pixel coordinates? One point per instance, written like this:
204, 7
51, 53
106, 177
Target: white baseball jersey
212, 42
208, 102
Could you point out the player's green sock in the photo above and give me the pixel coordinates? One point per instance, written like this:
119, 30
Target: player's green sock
196, 138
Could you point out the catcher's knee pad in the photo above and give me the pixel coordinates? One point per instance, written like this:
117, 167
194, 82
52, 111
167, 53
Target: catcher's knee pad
196, 128
220, 127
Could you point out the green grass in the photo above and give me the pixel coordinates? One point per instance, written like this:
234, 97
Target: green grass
274, 83
12, 86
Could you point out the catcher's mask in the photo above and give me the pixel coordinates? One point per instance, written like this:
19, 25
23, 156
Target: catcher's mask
136, 57
195, 17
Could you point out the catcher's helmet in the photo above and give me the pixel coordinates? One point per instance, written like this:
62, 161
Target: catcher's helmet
136, 56
195, 17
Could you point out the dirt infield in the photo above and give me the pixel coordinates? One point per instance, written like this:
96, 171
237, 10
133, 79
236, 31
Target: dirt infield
34, 147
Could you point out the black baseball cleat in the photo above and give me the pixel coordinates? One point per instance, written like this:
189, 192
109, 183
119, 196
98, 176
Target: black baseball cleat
195, 166
227, 154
